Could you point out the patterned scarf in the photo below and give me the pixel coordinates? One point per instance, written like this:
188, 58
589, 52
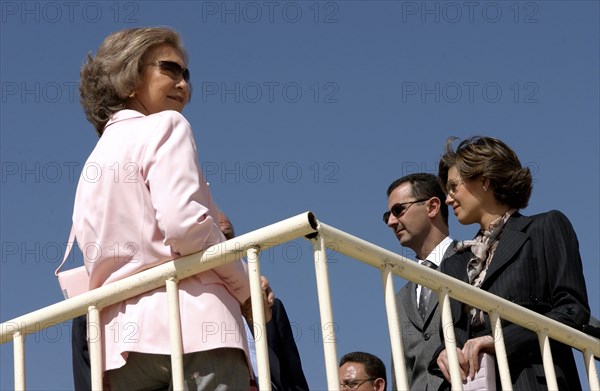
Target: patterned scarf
483, 248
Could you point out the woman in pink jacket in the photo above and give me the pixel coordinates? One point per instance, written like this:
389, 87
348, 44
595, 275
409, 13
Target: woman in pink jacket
142, 201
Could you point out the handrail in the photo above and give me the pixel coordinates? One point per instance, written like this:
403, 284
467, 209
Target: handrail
445, 285
221, 253
458, 290
323, 236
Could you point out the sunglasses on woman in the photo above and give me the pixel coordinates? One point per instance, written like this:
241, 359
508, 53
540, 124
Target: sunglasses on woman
173, 69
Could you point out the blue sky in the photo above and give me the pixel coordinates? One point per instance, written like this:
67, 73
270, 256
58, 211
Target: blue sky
302, 105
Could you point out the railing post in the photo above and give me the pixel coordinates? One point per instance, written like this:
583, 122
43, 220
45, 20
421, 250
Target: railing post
94, 331
394, 328
547, 360
175, 334
450, 340
591, 370
258, 320
500, 350
326, 312
19, 360
346, 244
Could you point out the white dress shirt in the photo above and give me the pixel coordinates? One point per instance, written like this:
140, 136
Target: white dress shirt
435, 256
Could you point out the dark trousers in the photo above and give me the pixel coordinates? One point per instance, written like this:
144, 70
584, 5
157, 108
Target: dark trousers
82, 376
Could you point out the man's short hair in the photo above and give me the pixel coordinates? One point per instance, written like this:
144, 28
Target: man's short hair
423, 185
374, 367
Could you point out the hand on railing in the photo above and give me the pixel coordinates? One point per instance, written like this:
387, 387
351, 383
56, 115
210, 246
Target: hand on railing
468, 357
442, 362
473, 348
268, 300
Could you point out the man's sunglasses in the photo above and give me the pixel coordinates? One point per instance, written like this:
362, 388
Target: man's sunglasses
399, 209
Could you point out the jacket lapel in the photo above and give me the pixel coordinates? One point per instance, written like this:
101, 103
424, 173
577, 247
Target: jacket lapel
410, 305
450, 250
433, 299
511, 240
433, 303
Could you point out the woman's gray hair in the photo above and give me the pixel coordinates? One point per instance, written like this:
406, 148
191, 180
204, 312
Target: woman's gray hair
108, 79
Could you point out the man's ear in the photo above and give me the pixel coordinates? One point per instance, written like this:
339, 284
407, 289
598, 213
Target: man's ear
434, 206
379, 384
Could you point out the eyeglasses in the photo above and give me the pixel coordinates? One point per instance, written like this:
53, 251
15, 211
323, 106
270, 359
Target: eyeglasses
399, 209
173, 69
451, 186
354, 384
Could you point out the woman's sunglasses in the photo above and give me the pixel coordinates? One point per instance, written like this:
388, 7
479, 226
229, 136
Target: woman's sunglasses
173, 69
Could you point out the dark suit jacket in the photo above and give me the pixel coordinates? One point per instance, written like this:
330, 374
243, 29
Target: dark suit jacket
82, 377
536, 265
420, 337
284, 358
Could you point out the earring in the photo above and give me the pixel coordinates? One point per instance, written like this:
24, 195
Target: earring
132, 95
484, 188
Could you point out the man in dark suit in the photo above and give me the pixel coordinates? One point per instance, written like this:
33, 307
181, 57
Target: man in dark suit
284, 358
418, 217
82, 376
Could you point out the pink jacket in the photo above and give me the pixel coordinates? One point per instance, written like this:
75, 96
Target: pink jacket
141, 201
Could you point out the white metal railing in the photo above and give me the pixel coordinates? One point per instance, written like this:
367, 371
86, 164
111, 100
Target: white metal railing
323, 237
448, 287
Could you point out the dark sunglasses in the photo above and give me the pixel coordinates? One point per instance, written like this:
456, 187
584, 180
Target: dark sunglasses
399, 209
173, 69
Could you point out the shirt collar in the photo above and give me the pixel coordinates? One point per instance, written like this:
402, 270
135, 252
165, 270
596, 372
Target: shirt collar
437, 254
122, 115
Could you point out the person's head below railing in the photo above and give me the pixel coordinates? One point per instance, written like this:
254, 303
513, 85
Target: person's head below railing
142, 201
532, 261
361, 371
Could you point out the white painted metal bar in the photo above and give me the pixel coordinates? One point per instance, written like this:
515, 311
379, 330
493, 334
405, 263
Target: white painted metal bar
547, 360
326, 312
258, 320
590, 367
500, 351
275, 234
19, 360
394, 328
175, 334
147, 280
94, 331
450, 340
371, 254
